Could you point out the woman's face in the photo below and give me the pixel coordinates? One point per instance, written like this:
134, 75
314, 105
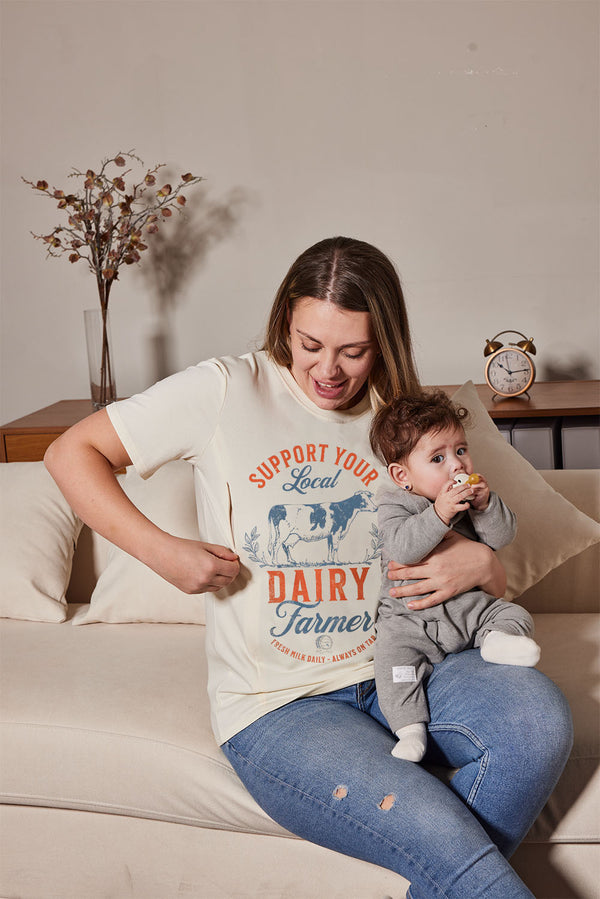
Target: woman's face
333, 351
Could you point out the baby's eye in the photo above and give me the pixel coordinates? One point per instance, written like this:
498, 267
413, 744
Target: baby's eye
438, 458
461, 451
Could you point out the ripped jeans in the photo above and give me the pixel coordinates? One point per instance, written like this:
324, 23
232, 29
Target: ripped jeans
321, 767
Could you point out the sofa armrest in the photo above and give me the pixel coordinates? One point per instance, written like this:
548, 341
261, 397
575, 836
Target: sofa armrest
573, 586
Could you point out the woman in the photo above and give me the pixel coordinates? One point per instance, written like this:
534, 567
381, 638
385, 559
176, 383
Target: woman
285, 481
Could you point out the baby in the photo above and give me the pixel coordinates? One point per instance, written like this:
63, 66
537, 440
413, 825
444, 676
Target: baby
422, 441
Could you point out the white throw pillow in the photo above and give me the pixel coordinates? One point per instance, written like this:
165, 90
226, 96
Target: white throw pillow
550, 528
127, 590
38, 532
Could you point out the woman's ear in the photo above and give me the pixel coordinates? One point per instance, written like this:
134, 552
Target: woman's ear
398, 474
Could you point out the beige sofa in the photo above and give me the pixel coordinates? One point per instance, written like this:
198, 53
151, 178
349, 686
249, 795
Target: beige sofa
111, 782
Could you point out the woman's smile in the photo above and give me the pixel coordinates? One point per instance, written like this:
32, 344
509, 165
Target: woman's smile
333, 352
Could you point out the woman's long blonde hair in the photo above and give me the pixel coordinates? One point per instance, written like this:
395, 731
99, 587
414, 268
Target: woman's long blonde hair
358, 277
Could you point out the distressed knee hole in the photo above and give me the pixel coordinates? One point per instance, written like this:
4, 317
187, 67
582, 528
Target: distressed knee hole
340, 792
387, 802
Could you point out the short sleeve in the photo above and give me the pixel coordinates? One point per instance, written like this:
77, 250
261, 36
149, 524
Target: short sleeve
174, 419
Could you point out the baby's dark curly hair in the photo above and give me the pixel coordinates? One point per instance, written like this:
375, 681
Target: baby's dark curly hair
398, 426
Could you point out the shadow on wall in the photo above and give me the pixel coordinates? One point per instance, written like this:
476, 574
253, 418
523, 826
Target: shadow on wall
574, 368
174, 254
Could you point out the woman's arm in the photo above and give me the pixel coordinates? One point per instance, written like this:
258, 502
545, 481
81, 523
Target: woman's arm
83, 462
455, 566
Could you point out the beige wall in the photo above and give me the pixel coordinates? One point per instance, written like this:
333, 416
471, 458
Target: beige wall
460, 137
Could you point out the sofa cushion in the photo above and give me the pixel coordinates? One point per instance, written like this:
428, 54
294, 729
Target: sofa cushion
576, 580
128, 591
115, 719
550, 528
570, 652
38, 531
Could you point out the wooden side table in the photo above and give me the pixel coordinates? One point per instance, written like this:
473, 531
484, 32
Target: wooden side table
26, 439
547, 399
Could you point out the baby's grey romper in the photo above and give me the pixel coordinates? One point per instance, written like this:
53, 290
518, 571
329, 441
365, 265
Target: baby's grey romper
409, 642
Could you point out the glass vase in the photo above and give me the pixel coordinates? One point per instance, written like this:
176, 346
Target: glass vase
100, 357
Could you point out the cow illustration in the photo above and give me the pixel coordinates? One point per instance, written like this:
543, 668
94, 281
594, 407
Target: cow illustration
289, 523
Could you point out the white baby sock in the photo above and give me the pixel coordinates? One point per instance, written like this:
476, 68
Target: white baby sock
510, 649
412, 743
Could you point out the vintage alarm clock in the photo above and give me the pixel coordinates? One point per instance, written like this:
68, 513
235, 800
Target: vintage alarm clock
509, 369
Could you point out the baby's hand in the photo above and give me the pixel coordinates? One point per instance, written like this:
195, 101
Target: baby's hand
451, 499
481, 495
480, 491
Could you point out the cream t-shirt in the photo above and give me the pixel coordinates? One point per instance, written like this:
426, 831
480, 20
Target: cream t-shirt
290, 488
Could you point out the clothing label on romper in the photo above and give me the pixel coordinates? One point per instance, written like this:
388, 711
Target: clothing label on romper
402, 674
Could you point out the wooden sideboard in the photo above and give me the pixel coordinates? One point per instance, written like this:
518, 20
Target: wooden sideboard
26, 439
547, 399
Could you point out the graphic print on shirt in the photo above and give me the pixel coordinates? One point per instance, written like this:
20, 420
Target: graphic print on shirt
315, 549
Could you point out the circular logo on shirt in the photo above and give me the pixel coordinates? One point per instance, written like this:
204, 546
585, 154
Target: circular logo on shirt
324, 642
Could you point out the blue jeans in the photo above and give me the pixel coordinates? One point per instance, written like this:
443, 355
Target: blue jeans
321, 767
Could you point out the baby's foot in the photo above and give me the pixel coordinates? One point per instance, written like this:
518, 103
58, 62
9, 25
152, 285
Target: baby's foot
412, 743
510, 649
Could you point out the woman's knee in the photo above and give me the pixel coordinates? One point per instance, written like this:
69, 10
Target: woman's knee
540, 718
507, 706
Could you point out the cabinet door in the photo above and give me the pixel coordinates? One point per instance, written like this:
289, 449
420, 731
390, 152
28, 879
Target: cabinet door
26, 447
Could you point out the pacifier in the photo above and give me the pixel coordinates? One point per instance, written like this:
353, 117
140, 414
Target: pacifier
464, 478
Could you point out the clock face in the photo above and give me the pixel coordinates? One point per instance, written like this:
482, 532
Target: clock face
509, 372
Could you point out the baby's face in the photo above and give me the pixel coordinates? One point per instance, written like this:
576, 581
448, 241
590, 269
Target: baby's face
436, 459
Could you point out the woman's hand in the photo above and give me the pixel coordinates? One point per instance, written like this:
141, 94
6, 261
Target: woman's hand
196, 567
455, 566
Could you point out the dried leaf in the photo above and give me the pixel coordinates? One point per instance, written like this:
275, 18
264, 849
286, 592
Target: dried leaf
120, 161
181, 200
42, 185
74, 257
187, 177
164, 191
